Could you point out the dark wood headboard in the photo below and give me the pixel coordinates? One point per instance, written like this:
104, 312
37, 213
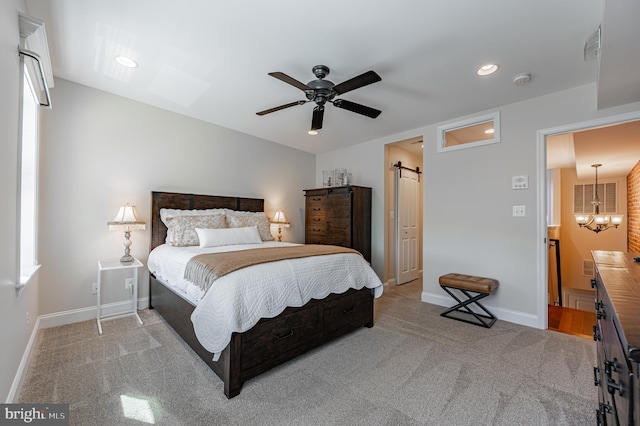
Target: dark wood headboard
175, 200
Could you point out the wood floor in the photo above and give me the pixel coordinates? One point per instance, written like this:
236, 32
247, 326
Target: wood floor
571, 321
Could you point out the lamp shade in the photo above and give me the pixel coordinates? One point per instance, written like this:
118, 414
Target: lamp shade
127, 218
582, 219
616, 219
279, 218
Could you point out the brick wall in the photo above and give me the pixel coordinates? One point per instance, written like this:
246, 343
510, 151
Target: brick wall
633, 209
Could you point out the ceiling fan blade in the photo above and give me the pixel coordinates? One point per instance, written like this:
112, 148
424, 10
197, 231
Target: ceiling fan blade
318, 115
292, 81
354, 107
367, 78
278, 108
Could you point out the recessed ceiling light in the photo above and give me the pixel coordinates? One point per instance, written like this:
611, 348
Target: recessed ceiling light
487, 69
313, 132
126, 62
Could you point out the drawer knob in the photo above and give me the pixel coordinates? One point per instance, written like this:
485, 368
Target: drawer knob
284, 336
349, 310
612, 387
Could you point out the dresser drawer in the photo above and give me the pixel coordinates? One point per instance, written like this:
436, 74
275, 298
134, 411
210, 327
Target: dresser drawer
314, 219
345, 313
617, 381
313, 209
316, 198
277, 336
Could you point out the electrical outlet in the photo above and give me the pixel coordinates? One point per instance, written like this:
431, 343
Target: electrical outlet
519, 211
128, 283
94, 288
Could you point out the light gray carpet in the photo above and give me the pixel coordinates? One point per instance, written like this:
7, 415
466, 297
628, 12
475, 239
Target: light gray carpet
412, 368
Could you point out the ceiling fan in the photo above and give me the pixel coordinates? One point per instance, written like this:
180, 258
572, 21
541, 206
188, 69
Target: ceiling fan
322, 91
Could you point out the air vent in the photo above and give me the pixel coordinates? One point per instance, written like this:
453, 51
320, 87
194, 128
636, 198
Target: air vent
587, 268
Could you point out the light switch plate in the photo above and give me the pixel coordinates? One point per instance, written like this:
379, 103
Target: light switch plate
520, 182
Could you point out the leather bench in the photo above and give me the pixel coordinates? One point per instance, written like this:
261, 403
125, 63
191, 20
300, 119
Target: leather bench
473, 288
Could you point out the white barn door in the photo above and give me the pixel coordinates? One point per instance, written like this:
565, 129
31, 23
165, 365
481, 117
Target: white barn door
408, 229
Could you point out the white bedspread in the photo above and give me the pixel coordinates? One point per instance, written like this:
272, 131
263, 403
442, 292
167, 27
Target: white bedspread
236, 301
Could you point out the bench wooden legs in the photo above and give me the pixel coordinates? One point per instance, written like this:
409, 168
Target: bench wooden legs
463, 307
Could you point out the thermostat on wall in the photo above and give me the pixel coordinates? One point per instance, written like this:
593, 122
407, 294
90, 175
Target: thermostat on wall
520, 182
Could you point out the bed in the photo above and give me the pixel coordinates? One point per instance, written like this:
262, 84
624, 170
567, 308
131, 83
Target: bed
272, 340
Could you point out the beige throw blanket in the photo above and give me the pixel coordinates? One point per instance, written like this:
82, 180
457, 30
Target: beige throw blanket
204, 269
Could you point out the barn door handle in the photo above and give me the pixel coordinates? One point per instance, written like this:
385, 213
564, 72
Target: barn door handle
284, 336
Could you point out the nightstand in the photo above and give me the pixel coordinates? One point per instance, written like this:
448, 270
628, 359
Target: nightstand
112, 265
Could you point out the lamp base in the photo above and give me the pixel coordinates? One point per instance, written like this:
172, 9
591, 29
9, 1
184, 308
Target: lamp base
126, 259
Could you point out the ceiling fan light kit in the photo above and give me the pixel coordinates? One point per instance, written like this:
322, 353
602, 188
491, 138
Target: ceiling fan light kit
321, 91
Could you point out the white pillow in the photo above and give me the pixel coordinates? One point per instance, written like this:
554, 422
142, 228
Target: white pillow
168, 213
228, 236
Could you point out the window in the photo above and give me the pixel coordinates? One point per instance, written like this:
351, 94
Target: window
583, 196
475, 131
27, 181
36, 72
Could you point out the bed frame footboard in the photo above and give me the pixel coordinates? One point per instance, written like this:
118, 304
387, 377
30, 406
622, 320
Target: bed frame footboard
272, 341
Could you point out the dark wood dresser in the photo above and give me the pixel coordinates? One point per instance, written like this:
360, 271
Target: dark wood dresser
339, 216
617, 333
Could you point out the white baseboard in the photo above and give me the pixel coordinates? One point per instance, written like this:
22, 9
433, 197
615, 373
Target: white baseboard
16, 386
503, 314
84, 314
63, 318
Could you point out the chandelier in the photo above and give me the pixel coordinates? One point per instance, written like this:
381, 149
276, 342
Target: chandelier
598, 222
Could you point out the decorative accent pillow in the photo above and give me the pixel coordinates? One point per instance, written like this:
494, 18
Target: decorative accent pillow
167, 213
183, 228
247, 219
228, 236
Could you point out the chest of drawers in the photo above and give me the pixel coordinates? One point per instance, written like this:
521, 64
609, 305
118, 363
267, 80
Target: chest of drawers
339, 216
617, 335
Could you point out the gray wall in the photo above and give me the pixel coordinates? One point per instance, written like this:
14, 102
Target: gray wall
99, 151
15, 309
467, 196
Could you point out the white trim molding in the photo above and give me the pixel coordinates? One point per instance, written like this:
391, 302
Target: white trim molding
508, 315
85, 314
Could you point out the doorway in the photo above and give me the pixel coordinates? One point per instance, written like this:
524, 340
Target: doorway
403, 221
559, 210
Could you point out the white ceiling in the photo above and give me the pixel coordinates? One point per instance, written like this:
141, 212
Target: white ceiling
209, 59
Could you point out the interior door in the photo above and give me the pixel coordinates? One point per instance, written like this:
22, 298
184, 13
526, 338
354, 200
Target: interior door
408, 227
